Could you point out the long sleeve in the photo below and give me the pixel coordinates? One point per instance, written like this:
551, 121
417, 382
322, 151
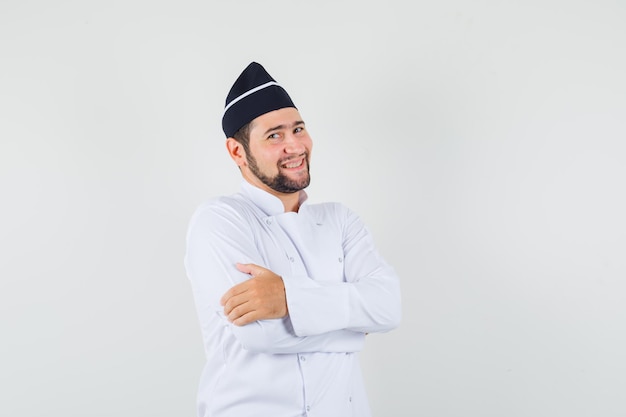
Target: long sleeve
219, 236
367, 299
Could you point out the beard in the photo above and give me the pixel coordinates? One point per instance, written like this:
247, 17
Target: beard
280, 182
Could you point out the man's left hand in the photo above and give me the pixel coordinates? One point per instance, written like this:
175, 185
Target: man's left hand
259, 298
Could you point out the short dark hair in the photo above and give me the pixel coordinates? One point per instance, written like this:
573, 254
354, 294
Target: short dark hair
243, 136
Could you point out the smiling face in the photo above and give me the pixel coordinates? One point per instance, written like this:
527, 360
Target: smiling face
277, 157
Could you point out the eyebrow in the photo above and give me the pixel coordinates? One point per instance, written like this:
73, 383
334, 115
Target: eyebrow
280, 127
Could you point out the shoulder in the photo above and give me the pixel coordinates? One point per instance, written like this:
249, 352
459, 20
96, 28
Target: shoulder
220, 211
216, 206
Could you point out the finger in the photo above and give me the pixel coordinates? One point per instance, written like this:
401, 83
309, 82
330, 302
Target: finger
239, 311
233, 291
235, 301
252, 269
247, 318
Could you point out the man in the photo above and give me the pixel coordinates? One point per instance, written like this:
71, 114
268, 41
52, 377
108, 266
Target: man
285, 291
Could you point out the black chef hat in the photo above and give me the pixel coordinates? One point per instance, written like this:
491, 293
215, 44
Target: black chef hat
254, 93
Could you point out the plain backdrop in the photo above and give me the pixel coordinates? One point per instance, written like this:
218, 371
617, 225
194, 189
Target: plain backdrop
483, 142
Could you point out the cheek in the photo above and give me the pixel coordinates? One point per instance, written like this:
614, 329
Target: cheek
268, 160
308, 143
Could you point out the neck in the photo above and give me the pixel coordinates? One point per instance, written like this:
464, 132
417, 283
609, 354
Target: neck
291, 201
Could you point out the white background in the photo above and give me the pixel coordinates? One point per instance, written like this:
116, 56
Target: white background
482, 141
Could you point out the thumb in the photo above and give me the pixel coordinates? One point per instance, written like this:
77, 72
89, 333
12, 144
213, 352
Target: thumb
250, 269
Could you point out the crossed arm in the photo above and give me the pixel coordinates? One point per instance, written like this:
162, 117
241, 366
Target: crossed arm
295, 314
261, 297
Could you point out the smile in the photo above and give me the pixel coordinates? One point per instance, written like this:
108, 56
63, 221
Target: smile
294, 164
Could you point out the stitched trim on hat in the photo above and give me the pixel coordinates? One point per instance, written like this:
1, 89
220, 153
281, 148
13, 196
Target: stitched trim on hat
247, 93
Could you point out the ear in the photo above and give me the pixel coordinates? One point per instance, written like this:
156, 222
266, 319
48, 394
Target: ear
236, 152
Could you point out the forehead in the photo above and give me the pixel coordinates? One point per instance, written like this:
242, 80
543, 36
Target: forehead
281, 118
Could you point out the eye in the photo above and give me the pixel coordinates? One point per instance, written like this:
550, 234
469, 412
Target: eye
274, 136
298, 129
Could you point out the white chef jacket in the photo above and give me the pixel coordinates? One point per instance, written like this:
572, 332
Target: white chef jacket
337, 286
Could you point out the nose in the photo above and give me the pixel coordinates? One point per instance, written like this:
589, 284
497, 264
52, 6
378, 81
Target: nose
294, 144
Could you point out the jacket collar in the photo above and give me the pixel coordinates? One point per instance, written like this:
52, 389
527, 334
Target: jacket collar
268, 203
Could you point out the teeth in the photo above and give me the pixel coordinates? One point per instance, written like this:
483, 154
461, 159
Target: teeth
293, 164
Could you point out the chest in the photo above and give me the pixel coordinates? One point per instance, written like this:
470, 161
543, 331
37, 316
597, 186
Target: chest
303, 246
